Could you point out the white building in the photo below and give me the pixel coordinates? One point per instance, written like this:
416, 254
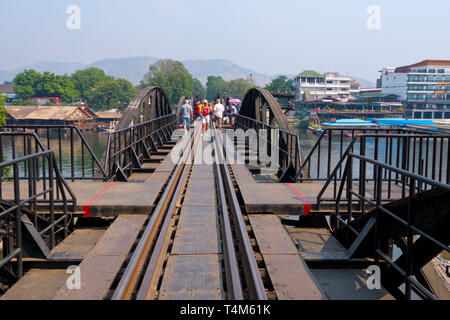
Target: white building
393, 82
314, 85
424, 86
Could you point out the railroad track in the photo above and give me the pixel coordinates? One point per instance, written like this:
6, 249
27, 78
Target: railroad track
243, 275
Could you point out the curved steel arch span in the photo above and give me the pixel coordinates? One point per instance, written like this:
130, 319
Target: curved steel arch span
261, 110
260, 104
150, 103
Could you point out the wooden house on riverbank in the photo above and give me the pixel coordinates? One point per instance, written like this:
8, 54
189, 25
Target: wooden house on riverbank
49, 115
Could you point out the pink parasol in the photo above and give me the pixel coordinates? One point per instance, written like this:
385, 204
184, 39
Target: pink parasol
234, 101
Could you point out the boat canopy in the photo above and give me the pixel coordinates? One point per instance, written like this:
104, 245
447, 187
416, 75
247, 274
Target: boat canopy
402, 122
350, 123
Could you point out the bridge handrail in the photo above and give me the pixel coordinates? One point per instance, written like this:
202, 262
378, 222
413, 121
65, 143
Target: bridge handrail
85, 144
328, 132
414, 186
30, 202
38, 142
362, 138
121, 141
292, 150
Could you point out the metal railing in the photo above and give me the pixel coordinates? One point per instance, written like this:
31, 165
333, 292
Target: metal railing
290, 157
46, 188
423, 154
127, 147
333, 143
408, 224
81, 162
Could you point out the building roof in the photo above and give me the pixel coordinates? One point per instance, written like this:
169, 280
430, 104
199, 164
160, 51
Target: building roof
310, 74
7, 88
68, 113
428, 62
89, 111
424, 63
19, 112
377, 95
370, 90
108, 115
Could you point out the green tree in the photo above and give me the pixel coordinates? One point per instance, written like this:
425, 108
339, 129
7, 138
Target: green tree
30, 83
105, 95
215, 86
127, 91
86, 79
199, 89
239, 87
6, 171
280, 84
26, 83
2, 109
172, 77
28, 102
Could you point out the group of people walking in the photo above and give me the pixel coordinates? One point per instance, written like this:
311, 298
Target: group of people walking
207, 112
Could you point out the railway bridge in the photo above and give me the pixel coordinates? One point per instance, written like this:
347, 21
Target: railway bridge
235, 214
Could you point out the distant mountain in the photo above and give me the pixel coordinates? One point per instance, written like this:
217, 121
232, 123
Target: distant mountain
52, 66
133, 69
201, 69
365, 84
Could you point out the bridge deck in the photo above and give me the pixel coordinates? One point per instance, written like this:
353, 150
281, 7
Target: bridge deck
288, 198
284, 264
194, 266
77, 245
195, 261
109, 199
100, 267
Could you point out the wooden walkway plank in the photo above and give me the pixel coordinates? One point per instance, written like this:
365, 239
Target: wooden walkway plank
288, 272
37, 284
99, 269
348, 284
77, 245
317, 244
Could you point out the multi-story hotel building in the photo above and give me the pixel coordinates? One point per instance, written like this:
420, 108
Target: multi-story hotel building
423, 86
318, 86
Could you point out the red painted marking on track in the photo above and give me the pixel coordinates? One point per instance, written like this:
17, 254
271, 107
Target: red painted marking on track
307, 205
87, 205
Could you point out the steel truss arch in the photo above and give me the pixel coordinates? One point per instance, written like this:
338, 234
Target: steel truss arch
150, 103
260, 104
261, 110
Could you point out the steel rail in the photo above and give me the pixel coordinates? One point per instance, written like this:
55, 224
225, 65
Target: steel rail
149, 281
129, 281
233, 281
253, 279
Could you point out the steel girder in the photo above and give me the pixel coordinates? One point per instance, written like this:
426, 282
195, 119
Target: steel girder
261, 105
150, 103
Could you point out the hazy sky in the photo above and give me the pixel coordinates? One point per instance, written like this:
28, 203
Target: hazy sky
269, 36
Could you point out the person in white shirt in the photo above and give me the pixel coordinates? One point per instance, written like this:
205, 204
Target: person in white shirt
218, 113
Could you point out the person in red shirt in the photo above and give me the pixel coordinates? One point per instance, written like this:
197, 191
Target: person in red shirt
205, 116
198, 111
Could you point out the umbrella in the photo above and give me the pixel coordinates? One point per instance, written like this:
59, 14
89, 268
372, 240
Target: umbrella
234, 101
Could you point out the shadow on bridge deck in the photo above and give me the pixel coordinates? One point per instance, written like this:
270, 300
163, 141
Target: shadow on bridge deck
289, 198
